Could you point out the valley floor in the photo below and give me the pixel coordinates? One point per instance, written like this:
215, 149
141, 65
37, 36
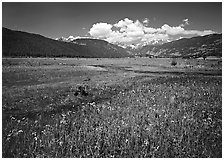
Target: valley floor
126, 107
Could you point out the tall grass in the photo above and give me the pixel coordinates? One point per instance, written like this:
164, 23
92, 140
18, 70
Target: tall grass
166, 117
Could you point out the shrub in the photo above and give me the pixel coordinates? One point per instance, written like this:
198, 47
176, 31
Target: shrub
173, 62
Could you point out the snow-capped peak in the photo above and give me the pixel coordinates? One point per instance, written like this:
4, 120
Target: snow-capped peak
70, 38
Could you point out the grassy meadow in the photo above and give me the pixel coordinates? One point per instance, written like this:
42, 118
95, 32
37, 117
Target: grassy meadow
126, 107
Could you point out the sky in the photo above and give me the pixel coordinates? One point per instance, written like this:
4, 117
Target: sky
126, 23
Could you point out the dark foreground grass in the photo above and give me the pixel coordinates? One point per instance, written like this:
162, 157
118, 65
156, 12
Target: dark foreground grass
164, 117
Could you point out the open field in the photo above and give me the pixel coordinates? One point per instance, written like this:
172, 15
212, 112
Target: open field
133, 107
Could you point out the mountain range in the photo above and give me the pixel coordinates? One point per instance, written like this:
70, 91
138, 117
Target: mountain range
201, 46
23, 44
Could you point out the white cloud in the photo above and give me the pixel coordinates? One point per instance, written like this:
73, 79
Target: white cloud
148, 38
206, 32
150, 30
123, 23
82, 37
172, 30
186, 21
145, 21
134, 29
127, 31
199, 33
101, 30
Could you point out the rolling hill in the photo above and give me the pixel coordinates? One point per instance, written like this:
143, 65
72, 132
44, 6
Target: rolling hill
23, 44
209, 45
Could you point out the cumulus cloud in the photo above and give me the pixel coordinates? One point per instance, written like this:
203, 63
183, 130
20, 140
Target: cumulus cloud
101, 30
172, 30
128, 31
123, 23
145, 21
185, 22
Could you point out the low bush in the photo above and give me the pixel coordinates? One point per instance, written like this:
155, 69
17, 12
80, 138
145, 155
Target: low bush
173, 62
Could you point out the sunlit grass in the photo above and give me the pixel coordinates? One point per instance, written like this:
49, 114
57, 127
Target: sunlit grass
164, 117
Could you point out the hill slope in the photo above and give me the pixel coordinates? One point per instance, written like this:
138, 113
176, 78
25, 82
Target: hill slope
17, 43
209, 45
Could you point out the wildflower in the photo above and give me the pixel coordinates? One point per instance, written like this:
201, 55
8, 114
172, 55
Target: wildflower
15, 133
20, 131
12, 118
34, 133
47, 125
92, 104
63, 115
63, 121
45, 97
126, 140
69, 112
61, 143
172, 99
35, 138
146, 142
8, 138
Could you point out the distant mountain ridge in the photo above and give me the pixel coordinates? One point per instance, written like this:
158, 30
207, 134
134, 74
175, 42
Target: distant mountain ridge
22, 44
201, 46
209, 45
